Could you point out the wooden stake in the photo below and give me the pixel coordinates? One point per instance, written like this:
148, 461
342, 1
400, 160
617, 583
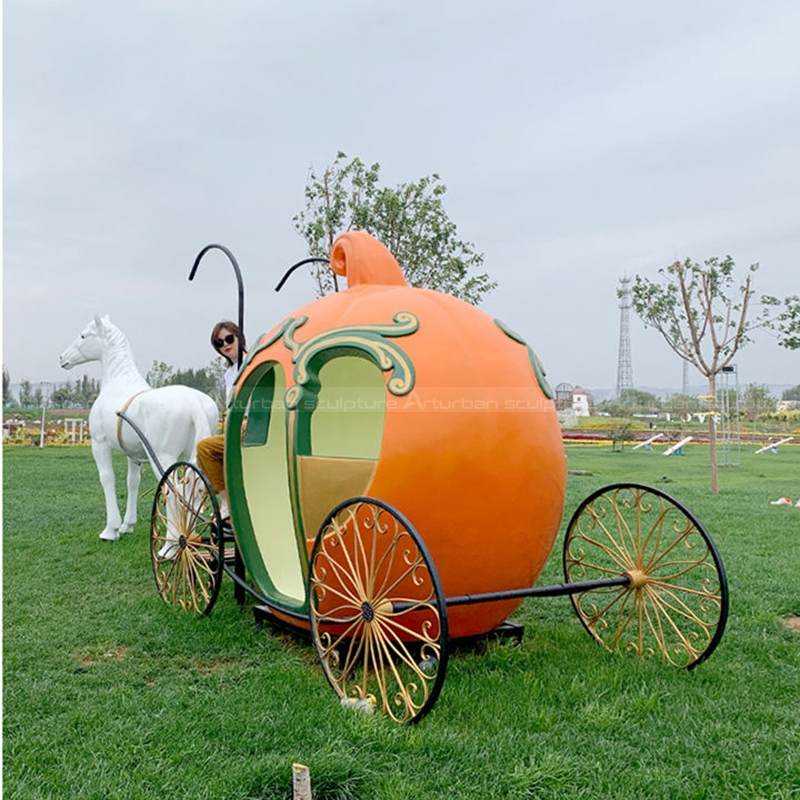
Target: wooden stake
301, 782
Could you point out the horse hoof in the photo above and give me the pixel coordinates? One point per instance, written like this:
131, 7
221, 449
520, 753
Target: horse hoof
110, 536
126, 529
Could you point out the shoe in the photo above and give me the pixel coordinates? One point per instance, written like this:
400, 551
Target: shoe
781, 501
224, 509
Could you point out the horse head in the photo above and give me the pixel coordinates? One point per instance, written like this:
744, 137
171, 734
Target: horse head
88, 346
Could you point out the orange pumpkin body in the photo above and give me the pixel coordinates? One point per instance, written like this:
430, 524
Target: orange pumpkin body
466, 443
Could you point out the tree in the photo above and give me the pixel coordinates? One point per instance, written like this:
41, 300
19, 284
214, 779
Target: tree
63, 397
208, 379
791, 394
7, 398
27, 397
638, 400
704, 317
619, 435
196, 378
410, 220
683, 404
788, 323
757, 400
160, 374
216, 372
86, 391
629, 402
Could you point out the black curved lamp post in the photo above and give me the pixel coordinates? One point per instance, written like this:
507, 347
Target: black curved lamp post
295, 266
238, 272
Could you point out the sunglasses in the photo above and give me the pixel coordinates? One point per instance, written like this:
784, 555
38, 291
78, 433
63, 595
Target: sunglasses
218, 343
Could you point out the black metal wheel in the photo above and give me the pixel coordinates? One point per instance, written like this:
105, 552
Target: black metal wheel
186, 545
675, 605
377, 611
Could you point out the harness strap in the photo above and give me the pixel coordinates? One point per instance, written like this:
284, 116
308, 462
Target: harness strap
123, 410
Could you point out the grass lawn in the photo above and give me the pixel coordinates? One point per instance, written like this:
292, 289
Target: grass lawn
109, 693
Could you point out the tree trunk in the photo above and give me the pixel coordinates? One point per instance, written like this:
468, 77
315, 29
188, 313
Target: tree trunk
712, 432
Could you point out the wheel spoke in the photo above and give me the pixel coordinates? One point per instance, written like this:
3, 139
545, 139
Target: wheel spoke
401, 578
618, 593
396, 657
615, 552
660, 555
628, 614
678, 606
346, 572
353, 596
662, 637
600, 568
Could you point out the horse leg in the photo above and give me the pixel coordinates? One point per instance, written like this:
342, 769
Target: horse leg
134, 478
102, 457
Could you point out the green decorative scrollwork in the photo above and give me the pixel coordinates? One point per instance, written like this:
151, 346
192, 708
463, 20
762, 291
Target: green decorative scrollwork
538, 369
370, 339
292, 396
289, 323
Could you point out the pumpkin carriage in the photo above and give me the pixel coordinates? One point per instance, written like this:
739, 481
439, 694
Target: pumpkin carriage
396, 478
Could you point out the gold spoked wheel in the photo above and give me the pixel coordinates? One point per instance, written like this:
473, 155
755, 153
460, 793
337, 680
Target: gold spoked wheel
185, 539
378, 616
676, 604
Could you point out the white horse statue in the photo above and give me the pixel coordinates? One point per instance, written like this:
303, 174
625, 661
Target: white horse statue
173, 418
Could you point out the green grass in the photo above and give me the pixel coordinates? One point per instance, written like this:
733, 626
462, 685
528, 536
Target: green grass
109, 693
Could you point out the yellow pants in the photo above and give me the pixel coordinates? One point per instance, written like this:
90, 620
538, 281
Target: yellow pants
210, 459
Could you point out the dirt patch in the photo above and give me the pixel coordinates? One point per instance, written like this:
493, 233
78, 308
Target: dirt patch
792, 623
117, 654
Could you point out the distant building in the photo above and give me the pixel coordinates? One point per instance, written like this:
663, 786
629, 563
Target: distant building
572, 402
582, 402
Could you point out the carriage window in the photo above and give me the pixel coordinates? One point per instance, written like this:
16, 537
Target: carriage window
339, 440
349, 416
259, 411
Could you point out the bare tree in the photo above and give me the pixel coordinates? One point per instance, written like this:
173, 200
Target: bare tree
705, 317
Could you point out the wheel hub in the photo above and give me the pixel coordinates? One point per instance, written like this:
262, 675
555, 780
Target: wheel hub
367, 611
638, 578
182, 542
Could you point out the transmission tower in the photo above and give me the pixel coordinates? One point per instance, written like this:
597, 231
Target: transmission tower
624, 366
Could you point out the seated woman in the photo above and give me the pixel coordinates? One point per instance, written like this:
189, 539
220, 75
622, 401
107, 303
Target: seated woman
211, 451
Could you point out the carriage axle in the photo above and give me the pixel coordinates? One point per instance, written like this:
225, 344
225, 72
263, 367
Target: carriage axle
556, 590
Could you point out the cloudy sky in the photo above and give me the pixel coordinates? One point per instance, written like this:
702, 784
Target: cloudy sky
579, 142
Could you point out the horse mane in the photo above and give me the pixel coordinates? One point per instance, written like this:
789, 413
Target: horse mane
119, 348
115, 337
